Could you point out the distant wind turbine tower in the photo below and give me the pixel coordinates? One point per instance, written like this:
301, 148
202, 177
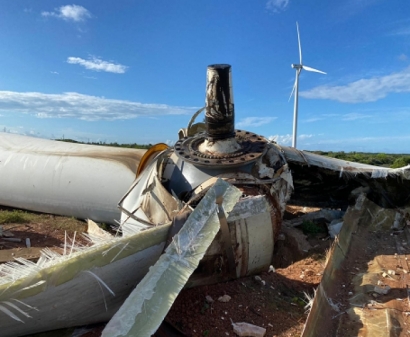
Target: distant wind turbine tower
295, 89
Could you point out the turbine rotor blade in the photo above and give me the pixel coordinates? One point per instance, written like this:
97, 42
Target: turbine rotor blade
293, 89
300, 48
294, 85
313, 69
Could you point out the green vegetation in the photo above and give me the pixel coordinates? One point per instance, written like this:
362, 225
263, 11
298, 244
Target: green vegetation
14, 216
310, 227
69, 224
130, 146
378, 159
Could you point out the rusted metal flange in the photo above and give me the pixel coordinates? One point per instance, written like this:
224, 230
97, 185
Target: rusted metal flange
251, 148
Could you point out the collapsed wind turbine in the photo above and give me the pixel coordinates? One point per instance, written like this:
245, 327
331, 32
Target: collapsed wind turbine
295, 88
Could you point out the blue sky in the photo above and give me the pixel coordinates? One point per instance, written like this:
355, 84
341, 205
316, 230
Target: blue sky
135, 71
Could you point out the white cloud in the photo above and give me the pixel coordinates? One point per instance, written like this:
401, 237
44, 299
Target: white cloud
97, 64
84, 107
403, 57
402, 31
305, 137
277, 6
312, 119
281, 139
254, 121
286, 140
363, 90
69, 13
354, 116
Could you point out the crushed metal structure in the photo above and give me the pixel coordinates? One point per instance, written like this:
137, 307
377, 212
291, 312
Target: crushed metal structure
207, 210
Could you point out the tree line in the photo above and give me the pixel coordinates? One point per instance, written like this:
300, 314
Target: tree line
378, 159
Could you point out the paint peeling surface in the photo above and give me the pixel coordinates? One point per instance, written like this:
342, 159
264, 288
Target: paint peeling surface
364, 289
146, 307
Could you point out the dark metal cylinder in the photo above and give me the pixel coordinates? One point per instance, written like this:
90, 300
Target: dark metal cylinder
219, 115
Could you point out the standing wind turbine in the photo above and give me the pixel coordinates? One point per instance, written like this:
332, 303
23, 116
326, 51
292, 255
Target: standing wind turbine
295, 89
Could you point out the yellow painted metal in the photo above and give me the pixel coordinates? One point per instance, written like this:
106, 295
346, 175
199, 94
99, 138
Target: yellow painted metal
149, 155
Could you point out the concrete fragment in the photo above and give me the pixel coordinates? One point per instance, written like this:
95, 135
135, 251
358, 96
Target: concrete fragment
224, 298
209, 299
250, 330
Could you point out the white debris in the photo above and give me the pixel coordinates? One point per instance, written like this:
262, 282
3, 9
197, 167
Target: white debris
97, 234
259, 279
249, 330
271, 269
380, 173
334, 227
265, 172
224, 298
209, 299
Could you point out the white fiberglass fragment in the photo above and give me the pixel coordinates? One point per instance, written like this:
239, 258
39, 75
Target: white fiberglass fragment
10, 314
15, 307
144, 310
28, 306
100, 281
380, 173
124, 246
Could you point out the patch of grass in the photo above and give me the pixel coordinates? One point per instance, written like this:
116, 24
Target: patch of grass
69, 224
310, 227
14, 216
298, 301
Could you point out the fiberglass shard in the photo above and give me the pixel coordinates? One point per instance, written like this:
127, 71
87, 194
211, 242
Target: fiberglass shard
144, 310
